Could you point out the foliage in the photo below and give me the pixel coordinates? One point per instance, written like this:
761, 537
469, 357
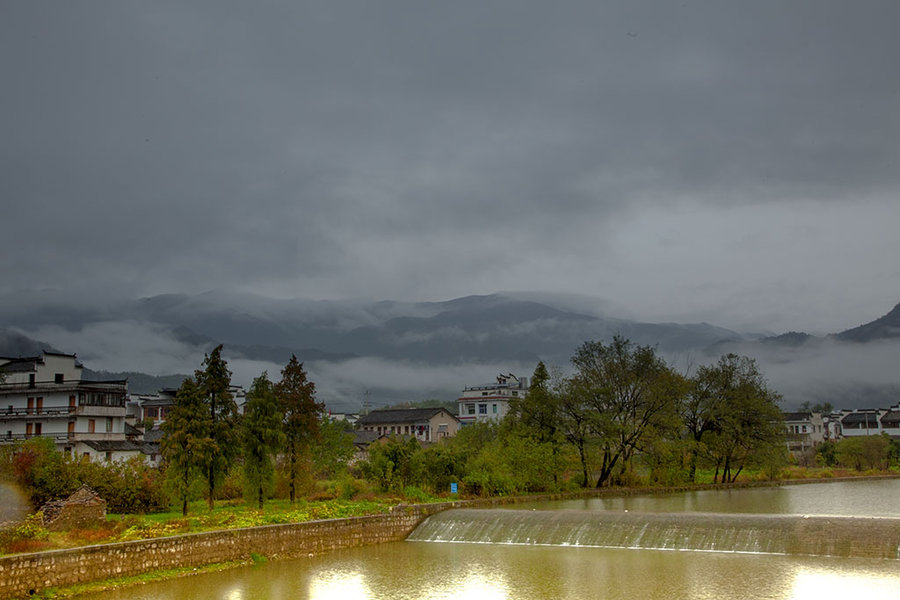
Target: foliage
302, 415
738, 421
863, 452
394, 463
214, 382
334, 449
621, 390
186, 443
27, 536
45, 474
262, 437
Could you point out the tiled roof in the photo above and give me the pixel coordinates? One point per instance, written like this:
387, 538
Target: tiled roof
400, 415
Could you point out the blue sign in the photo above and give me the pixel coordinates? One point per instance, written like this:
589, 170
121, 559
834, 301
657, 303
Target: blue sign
453, 488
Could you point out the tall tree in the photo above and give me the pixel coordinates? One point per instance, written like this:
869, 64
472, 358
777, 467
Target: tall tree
624, 388
214, 381
744, 420
537, 414
262, 437
186, 442
302, 415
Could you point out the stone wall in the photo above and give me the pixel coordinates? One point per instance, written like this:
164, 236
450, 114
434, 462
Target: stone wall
26, 574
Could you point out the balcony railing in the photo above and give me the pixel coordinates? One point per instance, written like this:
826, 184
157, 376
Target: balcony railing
7, 414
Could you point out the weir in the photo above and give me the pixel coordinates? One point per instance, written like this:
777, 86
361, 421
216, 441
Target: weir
869, 537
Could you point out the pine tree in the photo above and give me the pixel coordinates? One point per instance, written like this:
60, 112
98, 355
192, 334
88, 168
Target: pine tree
262, 437
301, 418
214, 382
186, 442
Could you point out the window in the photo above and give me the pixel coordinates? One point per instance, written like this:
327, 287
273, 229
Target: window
58, 378
108, 456
484, 393
470, 409
482, 409
494, 408
515, 393
31, 380
109, 424
37, 428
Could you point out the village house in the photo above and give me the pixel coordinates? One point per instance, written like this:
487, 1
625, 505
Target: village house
490, 401
861, 422
425, 424
804, 431
46, 396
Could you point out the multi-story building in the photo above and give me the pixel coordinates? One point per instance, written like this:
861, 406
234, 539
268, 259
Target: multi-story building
425, 424
804, 430
46, 396
490, 401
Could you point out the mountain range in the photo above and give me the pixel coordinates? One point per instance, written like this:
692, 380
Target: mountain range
166, 334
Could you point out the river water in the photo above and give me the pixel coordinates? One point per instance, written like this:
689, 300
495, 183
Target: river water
427, 570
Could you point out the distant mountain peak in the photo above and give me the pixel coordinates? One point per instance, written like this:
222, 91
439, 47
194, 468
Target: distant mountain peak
885, 327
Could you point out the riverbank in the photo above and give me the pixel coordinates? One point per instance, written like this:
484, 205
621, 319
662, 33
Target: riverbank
136, 562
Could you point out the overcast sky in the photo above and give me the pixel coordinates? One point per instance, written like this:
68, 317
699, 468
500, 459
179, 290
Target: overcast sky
731, 162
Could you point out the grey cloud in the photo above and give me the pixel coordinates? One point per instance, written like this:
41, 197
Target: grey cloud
412, 150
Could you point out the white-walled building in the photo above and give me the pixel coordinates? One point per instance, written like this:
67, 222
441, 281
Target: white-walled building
425, 424
46, 396
804, 430
490, 401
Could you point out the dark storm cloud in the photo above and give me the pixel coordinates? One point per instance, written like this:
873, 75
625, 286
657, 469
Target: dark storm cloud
420, 150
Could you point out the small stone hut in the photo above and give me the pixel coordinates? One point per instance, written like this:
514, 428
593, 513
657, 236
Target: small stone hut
84, 508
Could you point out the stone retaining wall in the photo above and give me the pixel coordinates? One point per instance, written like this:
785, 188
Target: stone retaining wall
26, 574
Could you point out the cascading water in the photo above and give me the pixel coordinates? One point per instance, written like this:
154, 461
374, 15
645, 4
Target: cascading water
871, 537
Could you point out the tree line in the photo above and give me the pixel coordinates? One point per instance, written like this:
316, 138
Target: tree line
622, 416
204, 436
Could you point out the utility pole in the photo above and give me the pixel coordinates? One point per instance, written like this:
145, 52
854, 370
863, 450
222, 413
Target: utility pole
366, 403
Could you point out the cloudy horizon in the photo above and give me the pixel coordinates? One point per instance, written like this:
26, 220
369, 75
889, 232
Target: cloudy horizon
733, 163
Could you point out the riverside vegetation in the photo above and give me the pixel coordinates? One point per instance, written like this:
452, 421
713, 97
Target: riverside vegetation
622, 418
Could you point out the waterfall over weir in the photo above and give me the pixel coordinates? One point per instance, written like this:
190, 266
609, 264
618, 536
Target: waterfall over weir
870, 537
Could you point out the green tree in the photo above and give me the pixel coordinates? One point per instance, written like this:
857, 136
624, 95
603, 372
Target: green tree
394, 463
302, 415
864, 452
186, 443
262, 436
746, 423
335, 447
537, 414
623, 389
214, 382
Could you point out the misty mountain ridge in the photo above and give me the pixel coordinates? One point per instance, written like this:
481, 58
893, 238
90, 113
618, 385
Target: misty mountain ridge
432, 344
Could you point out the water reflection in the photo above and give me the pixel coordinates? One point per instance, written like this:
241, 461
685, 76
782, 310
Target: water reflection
873, 498
819, 583
412, 571
338, 585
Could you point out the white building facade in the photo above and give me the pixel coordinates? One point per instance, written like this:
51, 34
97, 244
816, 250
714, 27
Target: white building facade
490, 402
46, 396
